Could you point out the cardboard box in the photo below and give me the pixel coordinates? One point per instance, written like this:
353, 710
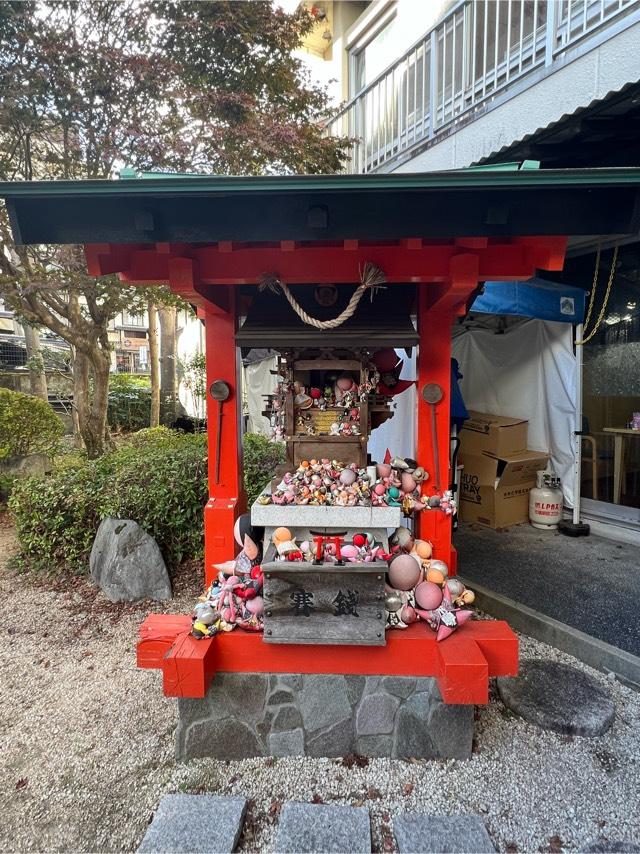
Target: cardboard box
493, 434
494, 491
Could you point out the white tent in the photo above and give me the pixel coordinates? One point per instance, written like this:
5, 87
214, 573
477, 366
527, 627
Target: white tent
527, 371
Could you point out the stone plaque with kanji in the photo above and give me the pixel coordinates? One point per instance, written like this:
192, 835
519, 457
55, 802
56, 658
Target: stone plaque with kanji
321, 605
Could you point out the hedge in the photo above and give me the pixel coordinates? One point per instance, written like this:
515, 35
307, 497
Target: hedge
28, 425
157, 477
260, 460
129, 402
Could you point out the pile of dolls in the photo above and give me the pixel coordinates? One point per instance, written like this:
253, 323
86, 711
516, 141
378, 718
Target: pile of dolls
327, 549
234, 598
348, 423
399, 484
319, 482
396, 482
419, 588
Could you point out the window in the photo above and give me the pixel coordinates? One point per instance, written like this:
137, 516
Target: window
129, 319
371, 59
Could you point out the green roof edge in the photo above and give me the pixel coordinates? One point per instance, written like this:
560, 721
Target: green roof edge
468, 179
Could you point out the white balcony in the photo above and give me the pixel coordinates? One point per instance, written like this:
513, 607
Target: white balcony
479, 51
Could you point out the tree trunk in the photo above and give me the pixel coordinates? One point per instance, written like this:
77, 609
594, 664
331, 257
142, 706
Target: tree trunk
75, 423
91, 409
154, 365
80, 396
168, 385
96, 435
37, 376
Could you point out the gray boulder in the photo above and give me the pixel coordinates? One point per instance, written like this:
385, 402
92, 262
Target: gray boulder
127, 564
31, 465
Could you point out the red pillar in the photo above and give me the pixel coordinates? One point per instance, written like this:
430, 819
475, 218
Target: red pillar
434, 366
227, 498
438, 305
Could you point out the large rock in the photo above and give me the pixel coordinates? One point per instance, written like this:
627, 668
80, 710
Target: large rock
127, 564
558, 697
226, 739
31, 465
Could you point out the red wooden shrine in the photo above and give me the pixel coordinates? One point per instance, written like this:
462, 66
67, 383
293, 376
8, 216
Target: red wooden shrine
446, 272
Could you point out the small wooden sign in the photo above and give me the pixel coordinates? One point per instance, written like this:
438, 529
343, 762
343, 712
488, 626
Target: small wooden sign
324, 605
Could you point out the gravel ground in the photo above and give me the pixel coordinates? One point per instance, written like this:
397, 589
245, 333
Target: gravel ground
88, 747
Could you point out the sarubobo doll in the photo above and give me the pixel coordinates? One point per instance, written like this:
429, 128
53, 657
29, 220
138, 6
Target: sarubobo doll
399, 606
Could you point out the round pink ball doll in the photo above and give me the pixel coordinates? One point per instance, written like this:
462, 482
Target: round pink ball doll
404, 572
428, 595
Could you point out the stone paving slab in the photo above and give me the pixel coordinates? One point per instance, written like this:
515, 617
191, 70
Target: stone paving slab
558, 697
322, 829
437, 834
205, 823
608, 846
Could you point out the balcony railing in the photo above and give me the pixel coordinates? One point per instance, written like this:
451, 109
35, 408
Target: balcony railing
480, 49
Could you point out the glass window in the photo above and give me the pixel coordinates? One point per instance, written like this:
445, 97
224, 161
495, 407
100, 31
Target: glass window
611, 389
373, 58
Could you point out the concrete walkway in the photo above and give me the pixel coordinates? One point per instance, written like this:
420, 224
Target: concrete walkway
589, 583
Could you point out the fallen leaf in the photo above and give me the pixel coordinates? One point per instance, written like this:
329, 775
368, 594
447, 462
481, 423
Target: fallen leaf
355, 759
407, 788
316, 799
22, 782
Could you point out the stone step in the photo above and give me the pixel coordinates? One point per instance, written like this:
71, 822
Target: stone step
419, 833
558, 697
315, 828
208, 824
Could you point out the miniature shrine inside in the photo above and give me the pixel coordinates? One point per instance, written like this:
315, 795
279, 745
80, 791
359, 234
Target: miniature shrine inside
275, 263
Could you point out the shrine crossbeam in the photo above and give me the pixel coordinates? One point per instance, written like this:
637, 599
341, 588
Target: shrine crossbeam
462, 665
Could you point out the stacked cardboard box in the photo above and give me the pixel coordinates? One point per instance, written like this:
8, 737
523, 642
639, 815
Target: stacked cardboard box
498, 471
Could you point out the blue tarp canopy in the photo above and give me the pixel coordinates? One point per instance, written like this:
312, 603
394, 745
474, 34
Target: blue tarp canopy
533, 298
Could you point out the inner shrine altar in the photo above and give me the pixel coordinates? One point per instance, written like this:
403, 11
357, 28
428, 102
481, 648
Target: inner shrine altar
340, 646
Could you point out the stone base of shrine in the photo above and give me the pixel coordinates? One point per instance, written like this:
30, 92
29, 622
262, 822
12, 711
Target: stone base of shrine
280, 714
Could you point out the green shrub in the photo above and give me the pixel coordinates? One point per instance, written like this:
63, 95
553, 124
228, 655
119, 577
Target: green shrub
129, 405
260, 460
28, 425
159, 479
152, 436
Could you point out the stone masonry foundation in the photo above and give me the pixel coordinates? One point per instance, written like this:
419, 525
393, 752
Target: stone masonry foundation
280, 714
